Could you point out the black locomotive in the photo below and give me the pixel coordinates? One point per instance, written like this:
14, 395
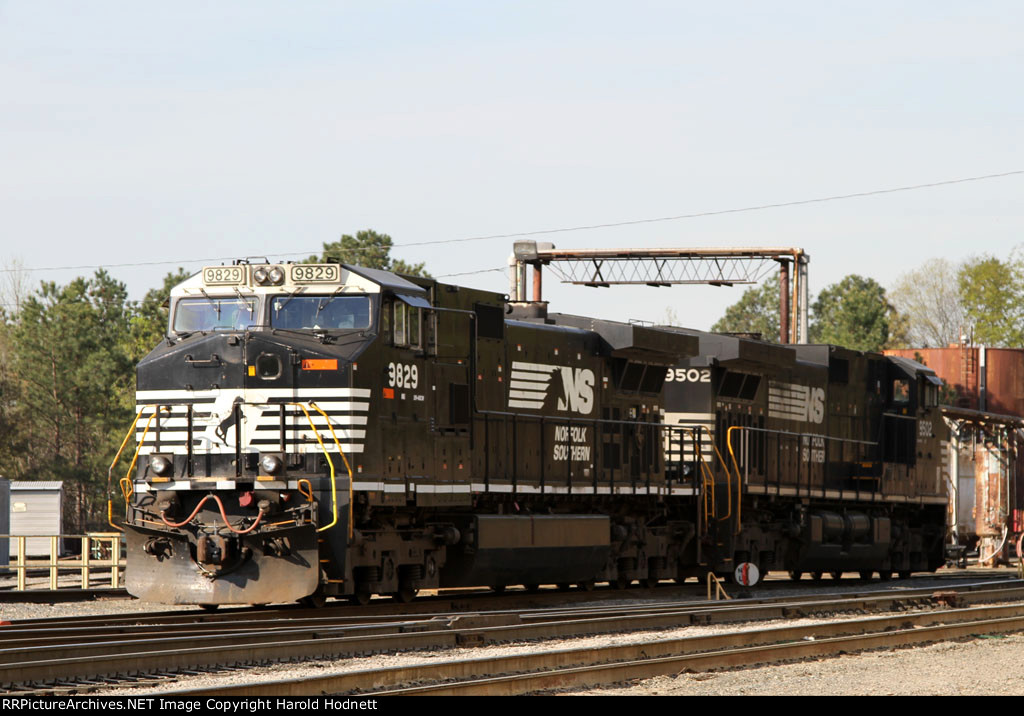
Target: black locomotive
322, 430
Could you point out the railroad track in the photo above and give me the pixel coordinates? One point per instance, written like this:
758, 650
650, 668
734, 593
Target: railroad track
73, 657
486, 600
589, 667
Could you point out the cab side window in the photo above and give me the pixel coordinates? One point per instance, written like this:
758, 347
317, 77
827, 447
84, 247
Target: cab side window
900, 391
401, 335
385, 319
931, 396
406, 323
413, 325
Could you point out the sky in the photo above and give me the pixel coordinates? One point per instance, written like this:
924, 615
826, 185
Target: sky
169, 134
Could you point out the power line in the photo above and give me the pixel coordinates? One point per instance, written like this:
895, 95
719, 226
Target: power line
566, 229
759, 207
502, 269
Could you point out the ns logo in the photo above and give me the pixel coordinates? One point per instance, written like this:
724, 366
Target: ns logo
531, 384
577, 390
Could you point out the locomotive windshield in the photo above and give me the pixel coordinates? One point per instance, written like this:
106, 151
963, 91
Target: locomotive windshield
324, 313
214, 314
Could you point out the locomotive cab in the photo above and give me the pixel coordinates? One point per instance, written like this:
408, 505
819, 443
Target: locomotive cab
250, 428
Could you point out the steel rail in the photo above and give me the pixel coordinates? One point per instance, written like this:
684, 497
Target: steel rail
487, 601
592, 666
61, 631
465, 600
55, 633
22, 664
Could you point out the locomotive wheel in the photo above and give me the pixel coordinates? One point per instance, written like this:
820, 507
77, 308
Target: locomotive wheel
885, 575
360, 599
586, 585
622, 582
498, 588
314, 601
650, 582
209, 607
405, 593
532, 588
865, 575
795, 575
564, 586
816, 576
837, 574
905, 574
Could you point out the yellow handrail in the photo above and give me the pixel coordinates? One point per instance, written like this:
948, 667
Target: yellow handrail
739, 479
330, 462
126, 483
110, 471
710, 474
706, 472
127, 487
728, 478
330, 426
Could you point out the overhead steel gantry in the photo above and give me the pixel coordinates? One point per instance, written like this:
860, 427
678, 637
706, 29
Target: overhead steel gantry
667, 267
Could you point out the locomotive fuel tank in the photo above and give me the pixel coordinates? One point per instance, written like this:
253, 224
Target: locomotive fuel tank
851, 541
499, 549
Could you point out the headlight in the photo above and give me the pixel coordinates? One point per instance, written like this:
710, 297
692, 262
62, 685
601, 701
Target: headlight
268, 275
162, 466
271, 464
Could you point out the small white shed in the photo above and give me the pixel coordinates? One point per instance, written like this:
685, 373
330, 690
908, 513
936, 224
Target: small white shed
36, 509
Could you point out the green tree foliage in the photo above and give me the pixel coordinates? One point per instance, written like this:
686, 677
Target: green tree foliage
757, 311
71, 381
992, 293
149, 322
12, 405
855, 313
367, 248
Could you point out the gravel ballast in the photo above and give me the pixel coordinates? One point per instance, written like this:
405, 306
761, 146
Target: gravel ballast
980, 666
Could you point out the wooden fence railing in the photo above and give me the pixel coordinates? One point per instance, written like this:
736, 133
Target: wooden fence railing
100, 552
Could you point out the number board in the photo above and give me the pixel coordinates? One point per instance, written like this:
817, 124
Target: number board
314, 273
223, 275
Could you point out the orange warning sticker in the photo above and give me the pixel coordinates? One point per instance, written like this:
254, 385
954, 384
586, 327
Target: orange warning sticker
320, 364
